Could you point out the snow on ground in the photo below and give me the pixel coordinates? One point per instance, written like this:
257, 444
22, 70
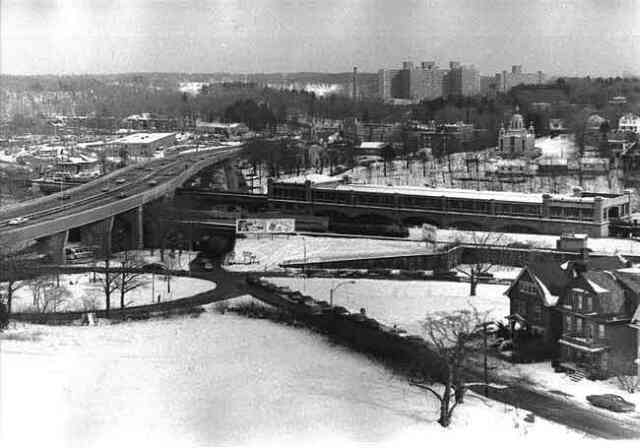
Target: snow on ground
84, 293
562, 146
403, 303
543, 376
177, 260
271, 251
600, 245
223, 380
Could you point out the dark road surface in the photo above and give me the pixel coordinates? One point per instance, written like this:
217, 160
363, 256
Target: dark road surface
593, 421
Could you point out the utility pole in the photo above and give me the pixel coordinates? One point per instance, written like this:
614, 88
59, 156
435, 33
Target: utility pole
486, 367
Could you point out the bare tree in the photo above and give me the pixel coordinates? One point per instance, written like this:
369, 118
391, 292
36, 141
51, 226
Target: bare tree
12, 271
630, 383
450, 336
46, 295
481, 257
109, 284
129, 279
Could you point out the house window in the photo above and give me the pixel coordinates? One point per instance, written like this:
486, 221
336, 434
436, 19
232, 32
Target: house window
528, 287
568, 323
604, 361
601, 331
537, 311
588, 331
578, 301
578, 325
588, 303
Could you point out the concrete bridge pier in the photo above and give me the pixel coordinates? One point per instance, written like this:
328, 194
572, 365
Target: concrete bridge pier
54, 245
98, 235
129, 230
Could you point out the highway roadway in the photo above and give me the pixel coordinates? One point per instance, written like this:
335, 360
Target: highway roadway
115, 190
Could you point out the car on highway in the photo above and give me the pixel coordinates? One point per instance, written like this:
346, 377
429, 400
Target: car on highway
121, 180
105, 189
611, 402
18, 220
153, 182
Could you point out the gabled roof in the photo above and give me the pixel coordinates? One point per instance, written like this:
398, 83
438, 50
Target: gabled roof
598, 263
635, 320
550, 278
606, 282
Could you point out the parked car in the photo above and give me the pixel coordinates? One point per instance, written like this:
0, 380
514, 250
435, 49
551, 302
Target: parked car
78, 253
121, 180
122, 195
611, 402
206, 264
153, 182
105, 189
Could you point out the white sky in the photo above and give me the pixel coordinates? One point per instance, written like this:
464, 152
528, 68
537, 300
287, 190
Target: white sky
110, 36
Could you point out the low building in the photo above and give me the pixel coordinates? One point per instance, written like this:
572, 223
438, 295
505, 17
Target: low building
372, 148
629, 123
141, 144
226, 130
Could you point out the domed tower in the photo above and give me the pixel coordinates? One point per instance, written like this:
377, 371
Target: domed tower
517, 122
517, 140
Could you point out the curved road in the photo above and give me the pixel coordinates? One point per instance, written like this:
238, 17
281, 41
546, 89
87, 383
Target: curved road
120, 191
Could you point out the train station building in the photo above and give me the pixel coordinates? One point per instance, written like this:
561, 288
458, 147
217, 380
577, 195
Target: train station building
578, 212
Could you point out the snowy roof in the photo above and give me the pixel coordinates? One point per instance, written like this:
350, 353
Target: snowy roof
217, 125
596, 288
505, 196
143, 137
550, 278
313, 178
372, 145
548, 298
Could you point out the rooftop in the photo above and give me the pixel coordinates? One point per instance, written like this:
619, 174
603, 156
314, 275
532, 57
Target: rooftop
313, 178
505, 196
143, 137
372, 145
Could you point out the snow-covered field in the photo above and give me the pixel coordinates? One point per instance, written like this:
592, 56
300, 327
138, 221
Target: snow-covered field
83, 293
270, 252
403, 303
562, 146
224, 380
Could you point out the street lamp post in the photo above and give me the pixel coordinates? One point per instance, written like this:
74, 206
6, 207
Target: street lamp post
332, 290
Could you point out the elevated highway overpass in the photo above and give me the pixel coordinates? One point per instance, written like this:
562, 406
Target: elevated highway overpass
92, 207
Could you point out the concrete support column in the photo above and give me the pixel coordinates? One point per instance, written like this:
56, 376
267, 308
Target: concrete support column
598, 210
54, 245
139, 228
98, 236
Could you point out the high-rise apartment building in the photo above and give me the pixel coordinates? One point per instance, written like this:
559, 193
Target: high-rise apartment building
427, 81
462, 80
505, 81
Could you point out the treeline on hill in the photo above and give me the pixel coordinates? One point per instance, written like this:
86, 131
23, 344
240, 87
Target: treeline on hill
121, 95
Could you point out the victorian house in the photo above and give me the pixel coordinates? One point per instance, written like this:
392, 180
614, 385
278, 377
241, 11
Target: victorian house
597, 308
534, 320
585, 314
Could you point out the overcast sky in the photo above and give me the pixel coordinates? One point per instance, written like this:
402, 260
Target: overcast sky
571, 37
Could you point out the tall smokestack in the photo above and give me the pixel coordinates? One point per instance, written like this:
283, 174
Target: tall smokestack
355, 83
